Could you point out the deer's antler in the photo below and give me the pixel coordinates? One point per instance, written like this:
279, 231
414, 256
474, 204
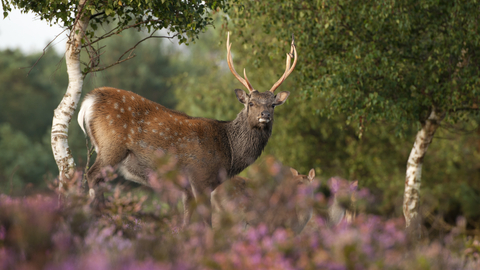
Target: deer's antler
288, 69
245, 81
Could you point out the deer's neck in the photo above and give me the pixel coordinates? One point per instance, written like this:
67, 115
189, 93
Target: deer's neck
246, 143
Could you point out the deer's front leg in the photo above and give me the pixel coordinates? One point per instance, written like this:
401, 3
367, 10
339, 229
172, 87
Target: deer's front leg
188, 206
203, 203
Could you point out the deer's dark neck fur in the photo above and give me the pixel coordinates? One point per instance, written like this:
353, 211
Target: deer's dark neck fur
246, 143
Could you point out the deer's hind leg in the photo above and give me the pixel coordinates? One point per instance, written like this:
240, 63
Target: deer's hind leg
105, 157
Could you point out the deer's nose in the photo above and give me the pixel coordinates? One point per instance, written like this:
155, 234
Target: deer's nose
265, 114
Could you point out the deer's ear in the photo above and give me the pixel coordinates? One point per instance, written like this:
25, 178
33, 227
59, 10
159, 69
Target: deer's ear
311, 175
294, 172
281, 97
241, 95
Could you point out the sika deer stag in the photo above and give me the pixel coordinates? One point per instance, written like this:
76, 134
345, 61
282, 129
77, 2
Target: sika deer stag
127, 129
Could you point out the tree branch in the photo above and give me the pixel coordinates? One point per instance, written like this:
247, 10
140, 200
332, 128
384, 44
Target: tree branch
463, 109
113, 32
131, 55
44, 51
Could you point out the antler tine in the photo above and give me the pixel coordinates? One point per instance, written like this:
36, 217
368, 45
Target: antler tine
293, 50
249, 85
288, 69
245, 81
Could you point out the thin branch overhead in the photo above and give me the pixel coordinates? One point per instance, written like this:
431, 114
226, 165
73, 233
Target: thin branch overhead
44, 51
117, 30
130, 53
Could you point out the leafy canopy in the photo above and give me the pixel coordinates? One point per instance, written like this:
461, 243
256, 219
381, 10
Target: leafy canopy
375, 60
183, 17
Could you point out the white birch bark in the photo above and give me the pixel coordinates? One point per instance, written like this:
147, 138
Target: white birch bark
64, 112
411, 199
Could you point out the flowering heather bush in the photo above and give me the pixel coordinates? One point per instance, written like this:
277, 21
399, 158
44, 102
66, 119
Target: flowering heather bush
37, 233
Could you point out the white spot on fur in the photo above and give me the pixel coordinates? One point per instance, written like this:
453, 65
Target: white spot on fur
156, 107
122, 110
147, 112
167, 129
143, 99
118, 115
132, 97
118, 91
129, 108
108, 117
111, 122
124, 125
115, 105
160, 124
148, 123
124, 99
154, 130
132, 131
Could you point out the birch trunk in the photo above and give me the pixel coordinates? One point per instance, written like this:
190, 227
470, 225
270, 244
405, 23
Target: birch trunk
411, 199
64, 112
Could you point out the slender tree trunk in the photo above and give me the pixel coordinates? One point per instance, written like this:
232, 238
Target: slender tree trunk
64, 112
411, 199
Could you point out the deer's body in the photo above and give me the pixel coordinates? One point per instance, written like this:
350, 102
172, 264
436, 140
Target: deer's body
133, 131
128, 130
289, 204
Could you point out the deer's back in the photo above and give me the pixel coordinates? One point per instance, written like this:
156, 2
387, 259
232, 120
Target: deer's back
124, 119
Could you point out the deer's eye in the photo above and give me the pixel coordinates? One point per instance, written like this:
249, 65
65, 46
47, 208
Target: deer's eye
273, 105
250, 104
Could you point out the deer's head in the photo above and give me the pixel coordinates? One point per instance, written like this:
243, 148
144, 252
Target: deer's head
259, 106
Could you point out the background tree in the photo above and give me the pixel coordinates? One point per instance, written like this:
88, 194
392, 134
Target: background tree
409, 63
82, 17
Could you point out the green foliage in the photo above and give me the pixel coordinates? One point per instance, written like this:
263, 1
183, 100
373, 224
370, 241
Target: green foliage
27, 98
22, 161
374, 60
184, 17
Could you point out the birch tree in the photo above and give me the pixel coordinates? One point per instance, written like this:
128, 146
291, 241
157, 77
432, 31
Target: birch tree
411, 63
182, 19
